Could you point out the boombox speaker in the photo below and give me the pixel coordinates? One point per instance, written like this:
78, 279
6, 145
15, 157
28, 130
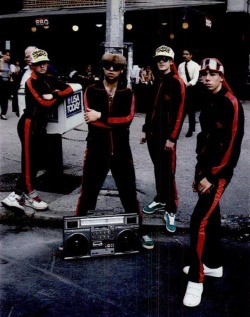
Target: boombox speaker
100, 234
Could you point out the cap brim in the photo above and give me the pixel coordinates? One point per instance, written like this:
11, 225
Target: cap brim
42, 61
166, 55
212, 70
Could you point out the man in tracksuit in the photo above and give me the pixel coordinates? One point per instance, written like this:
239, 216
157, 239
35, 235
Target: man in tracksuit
109, 111
164, 120
218, 149
43, 93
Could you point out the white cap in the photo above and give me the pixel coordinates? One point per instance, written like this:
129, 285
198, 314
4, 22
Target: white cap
164, 50
212, 64
39, 56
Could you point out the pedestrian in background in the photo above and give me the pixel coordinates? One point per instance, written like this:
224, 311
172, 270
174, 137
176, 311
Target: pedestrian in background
161, 130
26, 71
15, 77
189, 72
24, 74
43, 92
146, 76
218, 149
5, 86
109, 111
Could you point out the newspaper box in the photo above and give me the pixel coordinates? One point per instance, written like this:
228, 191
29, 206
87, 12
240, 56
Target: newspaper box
67, 116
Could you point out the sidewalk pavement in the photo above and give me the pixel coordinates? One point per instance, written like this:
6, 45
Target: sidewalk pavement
235, 204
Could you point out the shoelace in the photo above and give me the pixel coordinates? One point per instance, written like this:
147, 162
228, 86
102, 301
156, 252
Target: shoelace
171, 219
146, 239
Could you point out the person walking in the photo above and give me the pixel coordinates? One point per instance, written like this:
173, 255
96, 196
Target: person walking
109, 111
5, 86
218, 150
189, 72
161, 130
43, 93
15, 77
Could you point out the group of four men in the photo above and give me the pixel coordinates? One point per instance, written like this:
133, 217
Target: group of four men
109, 110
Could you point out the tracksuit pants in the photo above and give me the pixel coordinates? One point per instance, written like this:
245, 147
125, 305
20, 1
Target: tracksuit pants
31, 149
98, 161
164, 169
205, 233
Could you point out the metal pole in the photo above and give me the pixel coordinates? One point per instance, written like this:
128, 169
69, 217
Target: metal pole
114, 26
130, 64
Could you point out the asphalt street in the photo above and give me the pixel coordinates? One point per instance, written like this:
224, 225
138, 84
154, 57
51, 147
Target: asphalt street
37, 282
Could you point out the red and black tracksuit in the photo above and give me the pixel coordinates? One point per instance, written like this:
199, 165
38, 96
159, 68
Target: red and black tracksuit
218, 150
32, 125
108, 148
164, 122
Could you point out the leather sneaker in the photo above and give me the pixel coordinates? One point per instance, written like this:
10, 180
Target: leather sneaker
193, 294
14, 201
218, 272
34, 201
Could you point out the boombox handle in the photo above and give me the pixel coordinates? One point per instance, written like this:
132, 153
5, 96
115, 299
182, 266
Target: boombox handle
101, 212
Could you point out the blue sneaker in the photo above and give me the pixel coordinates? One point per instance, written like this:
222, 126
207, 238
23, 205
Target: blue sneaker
147, 242
170, 222
152, 207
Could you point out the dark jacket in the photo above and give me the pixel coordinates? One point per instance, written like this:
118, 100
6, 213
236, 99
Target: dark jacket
37, 108
166, 116
219, 142
116, 114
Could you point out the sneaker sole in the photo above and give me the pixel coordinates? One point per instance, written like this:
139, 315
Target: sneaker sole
172, 231
148, 247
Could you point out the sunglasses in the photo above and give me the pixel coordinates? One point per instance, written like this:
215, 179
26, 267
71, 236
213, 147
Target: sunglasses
109, 65
162, 59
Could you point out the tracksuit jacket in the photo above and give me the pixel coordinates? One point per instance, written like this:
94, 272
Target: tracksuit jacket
163, 122
218, 150
108, 148
32, 125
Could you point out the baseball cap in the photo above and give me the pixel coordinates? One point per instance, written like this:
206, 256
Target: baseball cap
114, 58
39, 56
164, 50
212, 64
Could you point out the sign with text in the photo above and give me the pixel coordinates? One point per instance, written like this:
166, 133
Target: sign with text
42, 22
74, 104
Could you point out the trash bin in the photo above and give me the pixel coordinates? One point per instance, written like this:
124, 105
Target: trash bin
67, 116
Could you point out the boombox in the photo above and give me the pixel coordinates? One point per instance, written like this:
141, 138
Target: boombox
100, 234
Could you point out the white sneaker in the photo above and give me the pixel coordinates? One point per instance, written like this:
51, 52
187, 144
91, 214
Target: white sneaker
13, 201
193, 294
35, 202
218, 272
